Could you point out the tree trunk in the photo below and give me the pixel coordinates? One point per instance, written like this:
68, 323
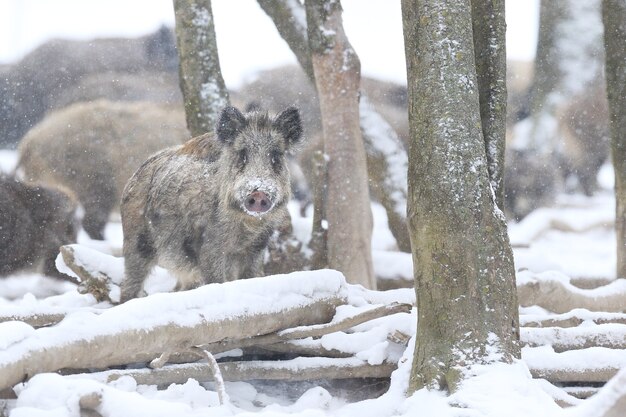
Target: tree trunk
386, 158
491, 75
464, 274
289, 17
204, 91
561, 70
614, 17
337, 77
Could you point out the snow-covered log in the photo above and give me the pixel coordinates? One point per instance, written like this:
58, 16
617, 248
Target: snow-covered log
35, 319
595, 364
298, 369
142, 329
574, 375
610, 401
554, 292
571, 319
311, 331
98, 273
612, 336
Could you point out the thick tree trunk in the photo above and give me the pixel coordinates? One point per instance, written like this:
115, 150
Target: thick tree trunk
464, 274
204, 91
386, 158
614, 16
337, 77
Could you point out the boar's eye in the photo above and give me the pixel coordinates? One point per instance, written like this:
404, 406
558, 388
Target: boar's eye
242, 158
275, 158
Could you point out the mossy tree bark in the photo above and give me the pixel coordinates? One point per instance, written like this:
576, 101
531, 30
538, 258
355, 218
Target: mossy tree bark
386, 157
204, 91
337, 72
614, 17
464, 273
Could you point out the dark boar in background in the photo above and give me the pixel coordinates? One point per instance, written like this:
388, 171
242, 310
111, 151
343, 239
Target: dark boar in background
34, 222
93, 148
55, 72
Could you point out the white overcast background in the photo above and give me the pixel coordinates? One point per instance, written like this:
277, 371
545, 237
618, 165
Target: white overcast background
247, 39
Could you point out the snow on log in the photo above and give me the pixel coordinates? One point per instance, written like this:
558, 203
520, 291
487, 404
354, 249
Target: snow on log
99, 274
595, 364
609, 335
313, 331
553, 291
610, 401
142, 329
298, 369
33, 319
571, 319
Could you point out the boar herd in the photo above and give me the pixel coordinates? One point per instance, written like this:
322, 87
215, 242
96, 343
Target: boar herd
105, 135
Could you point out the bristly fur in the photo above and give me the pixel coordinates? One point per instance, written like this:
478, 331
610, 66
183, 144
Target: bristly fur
34, 222
185, 208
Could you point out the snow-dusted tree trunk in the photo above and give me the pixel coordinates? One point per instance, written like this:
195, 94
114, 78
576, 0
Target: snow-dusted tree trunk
386, 158
568, 61
289, 17
614, 16
490, 56
464, 274
337, 77
204, 91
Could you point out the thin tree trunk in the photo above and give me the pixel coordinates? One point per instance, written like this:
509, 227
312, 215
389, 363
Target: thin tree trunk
614, 17
464, 274
490, 55
289, 17
204, 91
562, 71
337, 77
386, 158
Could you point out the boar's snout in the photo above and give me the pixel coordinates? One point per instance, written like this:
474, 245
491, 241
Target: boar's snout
258, 202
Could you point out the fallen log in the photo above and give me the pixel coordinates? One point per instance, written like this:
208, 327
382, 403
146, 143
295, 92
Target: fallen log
612, 336
142, 329
572, 319
554, 292
310, 331
609, 401
298, 369
575, 375
596, 364
35, 320
286, 341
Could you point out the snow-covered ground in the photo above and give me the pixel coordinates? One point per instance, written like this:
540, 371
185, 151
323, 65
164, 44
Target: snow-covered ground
575, 239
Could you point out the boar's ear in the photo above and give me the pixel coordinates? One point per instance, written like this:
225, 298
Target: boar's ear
230, 123
288, 123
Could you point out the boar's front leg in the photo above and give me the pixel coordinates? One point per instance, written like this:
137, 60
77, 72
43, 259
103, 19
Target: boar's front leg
139, 259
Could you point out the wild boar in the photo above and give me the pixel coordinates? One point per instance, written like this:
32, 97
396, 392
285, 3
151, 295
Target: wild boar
34, 222
205, 210
31, 87
93, 149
